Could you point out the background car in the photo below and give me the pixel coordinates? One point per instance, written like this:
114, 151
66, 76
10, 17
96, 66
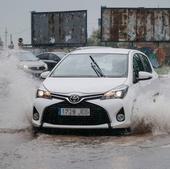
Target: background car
93, 88
51, 58
29, 62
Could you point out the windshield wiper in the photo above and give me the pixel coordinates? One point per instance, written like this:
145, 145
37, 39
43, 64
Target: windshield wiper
96, 68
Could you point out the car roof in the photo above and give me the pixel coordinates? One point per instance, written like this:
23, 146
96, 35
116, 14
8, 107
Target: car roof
59, 54
100, 49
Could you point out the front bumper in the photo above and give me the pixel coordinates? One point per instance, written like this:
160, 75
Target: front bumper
101, 126
103, 114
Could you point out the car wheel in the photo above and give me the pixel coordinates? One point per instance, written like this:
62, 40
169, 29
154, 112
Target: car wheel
35, 130
126, 131
123, 131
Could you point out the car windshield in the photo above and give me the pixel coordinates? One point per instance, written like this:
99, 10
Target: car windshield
92, 65
26, 56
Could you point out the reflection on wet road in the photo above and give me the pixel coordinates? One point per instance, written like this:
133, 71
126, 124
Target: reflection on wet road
23, 151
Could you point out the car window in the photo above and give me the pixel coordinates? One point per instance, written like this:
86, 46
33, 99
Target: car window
43, 56
135, 67
138, 65
87, 65
53, 57
146, 63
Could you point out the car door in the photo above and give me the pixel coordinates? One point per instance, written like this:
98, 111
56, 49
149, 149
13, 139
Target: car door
146, 85
137, 86
134, 90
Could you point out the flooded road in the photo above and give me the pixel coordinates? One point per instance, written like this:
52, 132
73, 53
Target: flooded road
21, 149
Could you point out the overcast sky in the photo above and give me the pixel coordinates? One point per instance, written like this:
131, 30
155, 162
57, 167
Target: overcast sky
15, 14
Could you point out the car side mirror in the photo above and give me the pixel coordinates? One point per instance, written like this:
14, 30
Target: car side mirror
44, 74
144, 75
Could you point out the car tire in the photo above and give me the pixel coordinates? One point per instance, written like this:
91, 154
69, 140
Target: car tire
35, 130
122, 131
127, 131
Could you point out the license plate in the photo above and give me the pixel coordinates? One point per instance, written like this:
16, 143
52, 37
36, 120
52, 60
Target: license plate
74, 112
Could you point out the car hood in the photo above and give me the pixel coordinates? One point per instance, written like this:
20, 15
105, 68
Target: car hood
82, 85
32, 63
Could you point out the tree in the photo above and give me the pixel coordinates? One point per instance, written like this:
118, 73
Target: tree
94, 39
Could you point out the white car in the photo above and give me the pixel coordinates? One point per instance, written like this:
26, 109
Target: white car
29, 62
92, 88
51, 58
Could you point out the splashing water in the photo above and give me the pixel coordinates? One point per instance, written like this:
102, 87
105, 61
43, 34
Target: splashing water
151, 111
17, 90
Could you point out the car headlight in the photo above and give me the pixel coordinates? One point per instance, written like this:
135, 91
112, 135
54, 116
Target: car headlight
43, 94
26, 67
117, 93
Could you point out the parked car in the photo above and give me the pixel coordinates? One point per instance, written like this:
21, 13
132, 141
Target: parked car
29, 62
92, 88
51, 58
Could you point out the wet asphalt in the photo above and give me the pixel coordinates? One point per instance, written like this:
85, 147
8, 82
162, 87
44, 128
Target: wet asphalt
26, 150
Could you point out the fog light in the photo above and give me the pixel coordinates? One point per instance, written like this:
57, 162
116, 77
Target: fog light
35, 115
120, 115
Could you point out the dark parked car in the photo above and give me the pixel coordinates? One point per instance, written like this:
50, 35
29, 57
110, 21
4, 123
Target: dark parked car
51, 58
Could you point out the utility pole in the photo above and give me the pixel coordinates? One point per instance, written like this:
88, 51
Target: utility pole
10, 37
6, 37
11, 46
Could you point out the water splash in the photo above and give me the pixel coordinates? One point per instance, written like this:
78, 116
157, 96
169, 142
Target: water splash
151, 111
17, 90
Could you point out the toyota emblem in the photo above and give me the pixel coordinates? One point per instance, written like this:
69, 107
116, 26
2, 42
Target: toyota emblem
74, 99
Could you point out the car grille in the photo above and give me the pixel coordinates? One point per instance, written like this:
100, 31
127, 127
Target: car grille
38, 68
98, 115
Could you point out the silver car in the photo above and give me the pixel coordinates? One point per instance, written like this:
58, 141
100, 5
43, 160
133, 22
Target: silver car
30, 63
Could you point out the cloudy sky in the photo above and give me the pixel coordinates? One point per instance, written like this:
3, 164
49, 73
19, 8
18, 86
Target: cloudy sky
15, 15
